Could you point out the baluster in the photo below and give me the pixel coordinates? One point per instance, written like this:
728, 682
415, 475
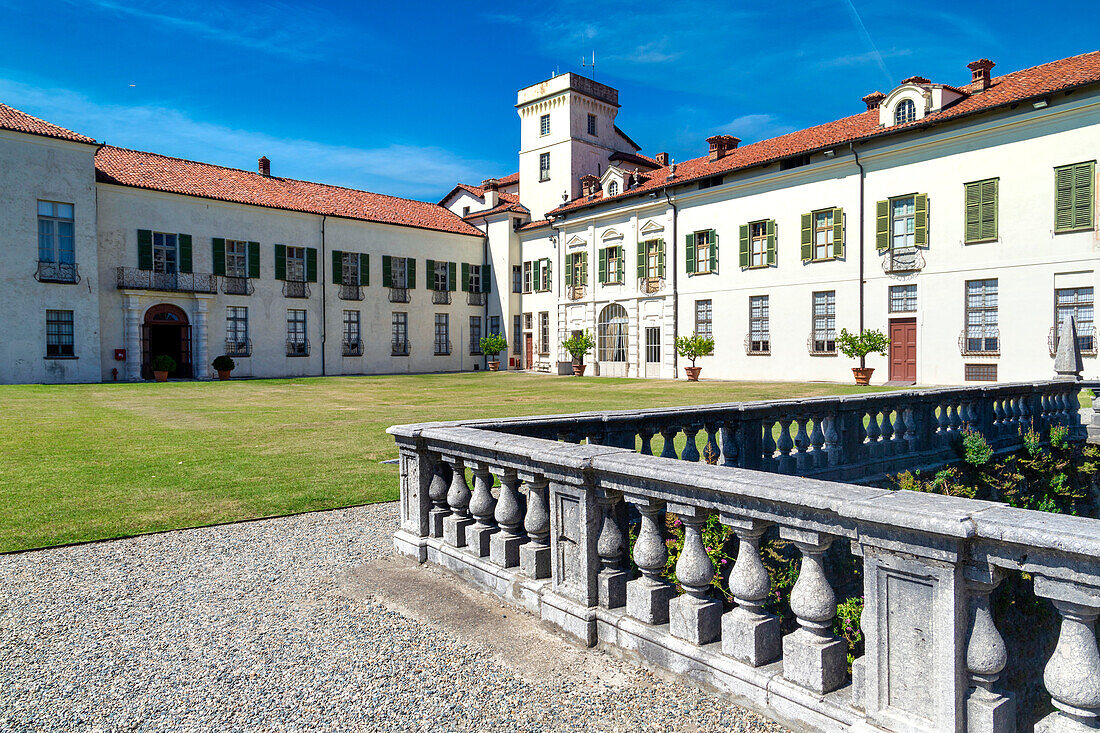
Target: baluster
694, 616
669, 433
998, 418
957, 419
691, 451
801, 445
611, 580
646, 435
482, 505
504, 545
832, 441
912, 438
900, 444
812, 656
749, 634
943, 421
711, 453
886, 430
534, 556
786, 446
768, 462
728, 441
817, 442
986, 711
458, 498
1072, 675
874, 450
647, 597
1021, 414
437, 492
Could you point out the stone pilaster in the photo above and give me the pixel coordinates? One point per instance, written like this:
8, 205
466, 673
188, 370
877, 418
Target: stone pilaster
202, 337
131, 320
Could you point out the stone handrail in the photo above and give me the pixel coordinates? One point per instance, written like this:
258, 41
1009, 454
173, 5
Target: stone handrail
552, 539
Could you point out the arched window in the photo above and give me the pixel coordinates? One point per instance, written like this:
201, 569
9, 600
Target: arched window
906, 111
611, 334
612, 188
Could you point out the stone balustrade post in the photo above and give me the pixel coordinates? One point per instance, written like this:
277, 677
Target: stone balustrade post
694, 616
437, 492
534, 557
482, 505
749, 634
415, 505
849, 426
612, 578
647, 597
508, 514
1072, 675
458, 499
728, 444
987, 711
691, 451
812, 656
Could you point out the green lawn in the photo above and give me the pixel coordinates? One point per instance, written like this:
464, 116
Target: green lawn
85, 462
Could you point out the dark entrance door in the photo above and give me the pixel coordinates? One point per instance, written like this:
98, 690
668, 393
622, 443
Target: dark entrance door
166, 331
903, 350
529, 351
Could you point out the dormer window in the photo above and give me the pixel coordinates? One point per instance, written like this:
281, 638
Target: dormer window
906, 111
613, 188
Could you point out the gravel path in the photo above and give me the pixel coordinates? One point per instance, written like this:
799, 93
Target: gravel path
243, 627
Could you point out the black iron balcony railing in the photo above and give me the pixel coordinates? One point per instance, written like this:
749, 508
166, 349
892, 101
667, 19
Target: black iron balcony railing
295, 288
980, 342
399, 295
758, 345
351, 292
1086, 340
476, 298
441, 297
237, 286
296, 347
399, 348
353, 348
57, 272
902, 261
238, 347
821, 344
132, 278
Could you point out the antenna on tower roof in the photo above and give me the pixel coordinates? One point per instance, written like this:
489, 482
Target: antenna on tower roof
585, 64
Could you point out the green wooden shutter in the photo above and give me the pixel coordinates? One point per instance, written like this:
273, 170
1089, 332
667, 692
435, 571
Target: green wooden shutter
689, 258
584, 268
311, 264
452, 279
536, 273
973, 202
429, 274
920, 219
185, 252
387, 272
1084, 200
486, 278
603, 266
838, 232
1063, 198
770, 230
549, 274
882, 225
254, 259
337, 267
364, 268
145, 249
568, 271
219, 256
465, 277
280, 262
713, 251
660, 258
987, 224
743, 257
807, 237
410, 272
641, 259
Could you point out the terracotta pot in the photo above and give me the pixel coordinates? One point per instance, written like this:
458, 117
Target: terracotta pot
223, 374
494, 366
693, 373
578, 370
863, 374
160, 376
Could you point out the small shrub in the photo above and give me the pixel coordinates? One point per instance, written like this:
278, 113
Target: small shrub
579, 344
976, 449
867, 342
164, 363
224, 363
694, 346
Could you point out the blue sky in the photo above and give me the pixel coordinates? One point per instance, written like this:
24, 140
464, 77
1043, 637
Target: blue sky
409, 98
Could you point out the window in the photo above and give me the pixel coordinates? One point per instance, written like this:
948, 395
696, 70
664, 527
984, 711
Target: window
980, 372
613, 188
517, 279
611, 334
475, 334
654, 258
903, 298
517, 333
823, 337
1074, 197
544, 167
399, 268
527, 321
442, 334
59, 334
465, 210
236, 258
544, 333
758, 244
527, 276
296, 342
494, 324
544, 125
440, 281
710, 182
982, 336
1076, 302
700, 251
349, 268
399, 339
823, 235
576, 273
902, 223
295, 264
236, 331
591, 124
981, 211
55, 233
475, 279
611, 265
164, 253
906, 111
759, 331
353, 344
703, 311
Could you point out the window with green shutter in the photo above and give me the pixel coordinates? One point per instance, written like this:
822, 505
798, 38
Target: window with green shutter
1075, 197
569, 269
743, 254
311, 264
337, 267
465, 277
546, 279
901, 223
487, 279
185, 252
689, 253
603, 266
430, 270
280, 262
219, 256
364, 268
757, 247
702, 252
254, 259
822, 235
387, 271
451, 275
145, 249
981, 211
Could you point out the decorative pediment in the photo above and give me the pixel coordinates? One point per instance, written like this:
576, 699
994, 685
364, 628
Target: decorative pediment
651, 227
611, 234
575, 241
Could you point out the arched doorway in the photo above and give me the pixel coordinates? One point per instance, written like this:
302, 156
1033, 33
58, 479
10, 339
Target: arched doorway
166, 330
611, 340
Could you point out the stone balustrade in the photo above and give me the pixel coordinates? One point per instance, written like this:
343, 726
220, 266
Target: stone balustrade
545, 527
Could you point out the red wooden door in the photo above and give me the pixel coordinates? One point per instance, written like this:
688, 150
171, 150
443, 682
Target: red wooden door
529, 351
903, 350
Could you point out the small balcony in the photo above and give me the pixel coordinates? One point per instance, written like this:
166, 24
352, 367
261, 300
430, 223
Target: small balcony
399, 348
399, 295
980, 342
238, 347
1086, 340
353, 348
758, 345
237, 286
131, 278
441, 297
477, 298
821, 344
903, 261
57, 272
651, 285
297, 347
351, 292
296, 289
575, 292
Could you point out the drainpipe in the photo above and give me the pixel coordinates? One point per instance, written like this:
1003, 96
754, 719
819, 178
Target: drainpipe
862, 177
324, 302
672, 249
485, 317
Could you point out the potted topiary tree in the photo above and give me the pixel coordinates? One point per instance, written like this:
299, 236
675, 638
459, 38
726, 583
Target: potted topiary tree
162, 364
692, 347
867, 342
491, 346
578, 345
224, 364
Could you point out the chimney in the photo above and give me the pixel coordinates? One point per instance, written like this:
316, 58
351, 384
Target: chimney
874, 99
980, 78
662, 159
265, 166
720, 145
589, 184
916, 80
491, 186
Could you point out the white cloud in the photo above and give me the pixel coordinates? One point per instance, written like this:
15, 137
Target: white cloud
751, 128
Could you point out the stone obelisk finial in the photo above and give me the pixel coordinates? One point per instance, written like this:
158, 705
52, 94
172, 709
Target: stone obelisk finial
1067, 360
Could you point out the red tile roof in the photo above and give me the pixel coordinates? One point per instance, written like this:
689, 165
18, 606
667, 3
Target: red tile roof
513, 206
1038, 81
509, 180
13, 119
189, 178
479, 191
